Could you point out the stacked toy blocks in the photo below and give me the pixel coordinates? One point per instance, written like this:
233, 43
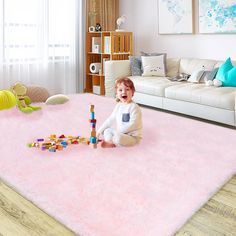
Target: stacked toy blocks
55, 143
93, 121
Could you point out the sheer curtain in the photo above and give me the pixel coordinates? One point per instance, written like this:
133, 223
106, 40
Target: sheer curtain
41, 43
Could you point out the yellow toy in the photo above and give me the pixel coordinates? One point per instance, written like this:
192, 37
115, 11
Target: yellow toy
23, 101
7, 99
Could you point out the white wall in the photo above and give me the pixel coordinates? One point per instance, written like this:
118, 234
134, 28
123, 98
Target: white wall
142, 20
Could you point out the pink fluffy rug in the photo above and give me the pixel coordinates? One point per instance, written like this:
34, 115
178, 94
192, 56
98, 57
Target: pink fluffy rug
150, 189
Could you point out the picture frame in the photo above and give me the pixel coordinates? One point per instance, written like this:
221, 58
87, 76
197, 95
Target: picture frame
216, 16
175, 17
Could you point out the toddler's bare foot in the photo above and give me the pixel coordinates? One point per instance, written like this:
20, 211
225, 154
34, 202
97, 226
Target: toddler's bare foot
107, 145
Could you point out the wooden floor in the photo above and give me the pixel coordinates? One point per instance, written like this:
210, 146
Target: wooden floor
19, 217
217, 217
22, 218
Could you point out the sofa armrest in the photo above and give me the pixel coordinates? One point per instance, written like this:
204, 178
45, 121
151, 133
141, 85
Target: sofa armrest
114, 70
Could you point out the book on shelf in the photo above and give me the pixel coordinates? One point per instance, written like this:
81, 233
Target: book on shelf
107, 44
96, 44
103, 64
96, 89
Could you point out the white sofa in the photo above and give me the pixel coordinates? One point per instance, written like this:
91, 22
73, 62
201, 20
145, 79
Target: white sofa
194, 99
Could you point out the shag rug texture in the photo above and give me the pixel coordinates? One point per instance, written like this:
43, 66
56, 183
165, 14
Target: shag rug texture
151, 189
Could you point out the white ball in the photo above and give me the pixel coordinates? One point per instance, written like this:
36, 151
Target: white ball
209, 83
217, 83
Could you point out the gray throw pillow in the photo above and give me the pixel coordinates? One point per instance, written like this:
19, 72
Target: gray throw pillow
135, 65
204, 76
212, 74
151, 53
209, 75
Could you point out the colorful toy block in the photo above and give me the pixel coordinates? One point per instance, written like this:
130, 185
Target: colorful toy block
54, 143
92, 115
93, 121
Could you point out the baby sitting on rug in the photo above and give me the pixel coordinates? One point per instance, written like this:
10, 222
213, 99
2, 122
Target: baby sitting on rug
126, 115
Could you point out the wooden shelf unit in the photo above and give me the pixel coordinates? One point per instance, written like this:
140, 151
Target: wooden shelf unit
113, 46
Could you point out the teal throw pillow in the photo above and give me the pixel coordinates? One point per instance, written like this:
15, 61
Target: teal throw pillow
230, 78
224, 68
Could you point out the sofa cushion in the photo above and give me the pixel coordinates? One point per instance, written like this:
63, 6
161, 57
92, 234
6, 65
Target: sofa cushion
151, 85
154, 65
172, 67
219, 63
223, 97
188, 65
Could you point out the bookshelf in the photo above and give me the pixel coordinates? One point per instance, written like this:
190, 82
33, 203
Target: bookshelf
100, 47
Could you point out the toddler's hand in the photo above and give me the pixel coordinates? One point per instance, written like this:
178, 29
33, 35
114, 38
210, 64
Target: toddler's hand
98, 135
98, 139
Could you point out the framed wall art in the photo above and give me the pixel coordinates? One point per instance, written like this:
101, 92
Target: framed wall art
217, 16
175, 17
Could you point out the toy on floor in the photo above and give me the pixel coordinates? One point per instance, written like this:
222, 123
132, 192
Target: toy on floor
93, 121
54, 143
7, 99
23, 101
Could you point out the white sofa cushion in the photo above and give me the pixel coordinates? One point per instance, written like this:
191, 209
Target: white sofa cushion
223, 97
114, 70
151, 85
189, 66
172, 67
219, 63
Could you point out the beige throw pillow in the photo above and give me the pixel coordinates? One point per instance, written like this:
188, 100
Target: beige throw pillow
57, 99
37, 93
153, 65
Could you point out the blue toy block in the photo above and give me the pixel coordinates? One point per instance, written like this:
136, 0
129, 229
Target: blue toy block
92, 115
93, 140
52, 150
64, 143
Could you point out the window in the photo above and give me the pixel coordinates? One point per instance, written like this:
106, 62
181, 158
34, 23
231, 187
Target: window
37, 30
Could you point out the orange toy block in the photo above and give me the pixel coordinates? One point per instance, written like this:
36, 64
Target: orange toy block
53, 136
93, 145
93, 133
91, 108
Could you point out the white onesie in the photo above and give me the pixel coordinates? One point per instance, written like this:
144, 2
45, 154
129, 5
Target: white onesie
128, 120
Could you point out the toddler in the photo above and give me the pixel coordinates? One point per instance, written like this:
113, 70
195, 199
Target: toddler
126, 115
